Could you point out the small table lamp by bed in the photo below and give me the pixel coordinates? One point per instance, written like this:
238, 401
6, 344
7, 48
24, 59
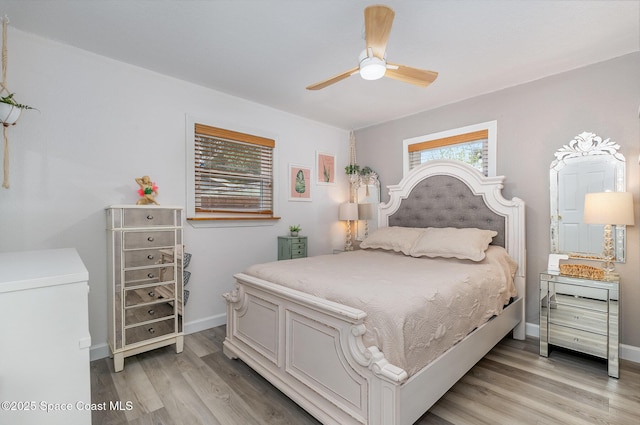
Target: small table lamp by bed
365, 212
348, 212
608, 208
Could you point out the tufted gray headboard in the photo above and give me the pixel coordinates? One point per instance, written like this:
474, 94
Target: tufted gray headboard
446, 201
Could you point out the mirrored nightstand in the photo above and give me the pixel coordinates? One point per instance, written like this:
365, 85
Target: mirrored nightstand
581, 315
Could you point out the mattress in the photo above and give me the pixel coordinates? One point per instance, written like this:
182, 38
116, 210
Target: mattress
417, 308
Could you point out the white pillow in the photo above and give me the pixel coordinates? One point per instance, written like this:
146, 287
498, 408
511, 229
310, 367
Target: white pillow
399, 239
448, 242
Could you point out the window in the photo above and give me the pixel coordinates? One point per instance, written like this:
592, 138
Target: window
232, 174
475, 145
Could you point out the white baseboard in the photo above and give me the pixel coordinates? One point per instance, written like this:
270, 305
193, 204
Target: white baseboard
630, 352
627, 352
100, 351
532, 330
206, 323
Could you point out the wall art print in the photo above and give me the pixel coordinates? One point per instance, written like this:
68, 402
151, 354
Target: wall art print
299, 183
325, 168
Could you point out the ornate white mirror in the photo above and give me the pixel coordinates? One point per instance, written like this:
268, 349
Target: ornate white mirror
586, 164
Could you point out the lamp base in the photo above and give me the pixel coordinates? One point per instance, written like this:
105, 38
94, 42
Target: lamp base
348, 246
608, 265
611, 276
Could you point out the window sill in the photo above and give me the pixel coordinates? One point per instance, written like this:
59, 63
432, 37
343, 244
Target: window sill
199, 222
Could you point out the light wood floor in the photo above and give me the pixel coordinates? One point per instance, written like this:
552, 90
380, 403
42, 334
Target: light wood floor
511, 385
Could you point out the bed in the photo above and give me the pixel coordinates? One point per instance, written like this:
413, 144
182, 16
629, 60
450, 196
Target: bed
329, 356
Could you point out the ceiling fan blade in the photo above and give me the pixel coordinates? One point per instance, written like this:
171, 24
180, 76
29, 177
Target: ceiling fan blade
332, 80
419, 77
377, 25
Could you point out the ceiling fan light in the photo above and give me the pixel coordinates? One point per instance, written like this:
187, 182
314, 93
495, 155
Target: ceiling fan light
373, 71
371, 67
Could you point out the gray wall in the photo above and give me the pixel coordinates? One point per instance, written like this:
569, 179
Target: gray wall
534, 120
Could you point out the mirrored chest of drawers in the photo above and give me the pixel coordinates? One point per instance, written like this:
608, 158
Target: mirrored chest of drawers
581, 315
145, 279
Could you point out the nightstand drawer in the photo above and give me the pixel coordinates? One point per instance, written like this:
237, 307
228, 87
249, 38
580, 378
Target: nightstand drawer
148, 217
581, 296
298, 253
574, 339
156, 239
149, 331
579, 318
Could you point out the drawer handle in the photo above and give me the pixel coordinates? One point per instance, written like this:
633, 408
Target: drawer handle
152, 294
151, 330
150, 257
151, 312
151, 275
149, 217
150, 238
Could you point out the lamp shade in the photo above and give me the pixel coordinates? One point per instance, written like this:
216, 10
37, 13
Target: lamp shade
365, 211
348, 211
608, 208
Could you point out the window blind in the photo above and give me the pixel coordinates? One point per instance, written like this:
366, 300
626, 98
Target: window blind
233, 172
462, 146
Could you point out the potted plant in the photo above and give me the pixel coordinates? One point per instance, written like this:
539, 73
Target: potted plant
10, 109
293, 230
352, 169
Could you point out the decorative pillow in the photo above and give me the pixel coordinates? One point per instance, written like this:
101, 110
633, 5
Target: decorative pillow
399, 239
448, 242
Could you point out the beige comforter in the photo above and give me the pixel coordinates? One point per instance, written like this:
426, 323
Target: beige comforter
417, 308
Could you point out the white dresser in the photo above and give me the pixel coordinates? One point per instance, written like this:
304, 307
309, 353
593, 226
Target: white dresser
145, 279
44, 329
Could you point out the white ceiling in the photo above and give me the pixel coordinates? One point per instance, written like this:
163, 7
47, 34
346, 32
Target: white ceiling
268, 51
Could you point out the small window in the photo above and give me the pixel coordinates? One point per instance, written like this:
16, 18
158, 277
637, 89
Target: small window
232, 175
474, 145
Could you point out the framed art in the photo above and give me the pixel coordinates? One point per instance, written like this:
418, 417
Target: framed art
325, 168
299, 183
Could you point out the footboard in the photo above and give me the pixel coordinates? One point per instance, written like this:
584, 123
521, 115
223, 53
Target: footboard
312, 350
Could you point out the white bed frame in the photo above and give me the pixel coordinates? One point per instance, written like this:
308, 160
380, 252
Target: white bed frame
312, 349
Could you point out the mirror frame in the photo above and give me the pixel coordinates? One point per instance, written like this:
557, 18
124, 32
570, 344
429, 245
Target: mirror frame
587, 144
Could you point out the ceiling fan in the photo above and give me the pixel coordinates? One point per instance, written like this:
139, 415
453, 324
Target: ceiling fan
373, 62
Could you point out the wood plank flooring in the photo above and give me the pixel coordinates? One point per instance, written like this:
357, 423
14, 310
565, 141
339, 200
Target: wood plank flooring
511, 385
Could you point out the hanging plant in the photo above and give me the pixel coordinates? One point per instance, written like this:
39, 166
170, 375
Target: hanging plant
10, 109
352, 169
365, 171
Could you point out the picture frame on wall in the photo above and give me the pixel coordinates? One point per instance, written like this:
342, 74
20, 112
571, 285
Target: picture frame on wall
299, 183
325, 168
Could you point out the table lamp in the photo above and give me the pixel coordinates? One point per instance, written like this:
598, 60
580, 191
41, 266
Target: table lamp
348, 212
608, 208
365, 212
